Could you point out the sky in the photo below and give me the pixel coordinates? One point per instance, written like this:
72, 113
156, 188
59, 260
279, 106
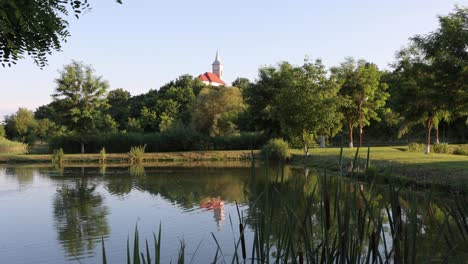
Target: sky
142, 45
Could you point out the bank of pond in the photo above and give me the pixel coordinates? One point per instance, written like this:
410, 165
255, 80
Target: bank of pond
286, 214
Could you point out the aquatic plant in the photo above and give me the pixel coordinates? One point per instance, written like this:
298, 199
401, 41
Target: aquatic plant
58, 157
136, 154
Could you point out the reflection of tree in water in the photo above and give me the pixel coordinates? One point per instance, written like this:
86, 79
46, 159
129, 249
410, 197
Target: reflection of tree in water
80, 217
24, 175
188, 187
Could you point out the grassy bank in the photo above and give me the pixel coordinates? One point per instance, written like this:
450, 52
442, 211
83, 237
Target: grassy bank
398, 161
123, 158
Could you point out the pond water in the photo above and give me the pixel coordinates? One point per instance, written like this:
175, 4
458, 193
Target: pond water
60, 215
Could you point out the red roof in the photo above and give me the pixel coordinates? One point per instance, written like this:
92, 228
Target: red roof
211, 77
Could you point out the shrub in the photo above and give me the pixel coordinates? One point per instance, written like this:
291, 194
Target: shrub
136, 154
177, 138
58, 157
416, 147
276, 149
461, 150
441, 148
8, 146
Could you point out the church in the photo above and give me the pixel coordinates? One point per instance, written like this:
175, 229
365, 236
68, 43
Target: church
214, 78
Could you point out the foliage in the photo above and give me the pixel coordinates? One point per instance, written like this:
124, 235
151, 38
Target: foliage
430, 74
442, 148
7, 146
215, 110
276, 149
35, 27
81, 96
136, 154
21, 126
119, 107
2, 131
178, 138
461, 150
58, 157
416, 147
361, 92
307, 104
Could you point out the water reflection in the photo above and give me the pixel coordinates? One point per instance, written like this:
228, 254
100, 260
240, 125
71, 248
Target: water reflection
80, 217
269, 198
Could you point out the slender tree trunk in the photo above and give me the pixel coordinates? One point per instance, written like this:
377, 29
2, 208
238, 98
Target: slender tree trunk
322, 141
82, 148
437, 135
306, 145
350, 126
429, 123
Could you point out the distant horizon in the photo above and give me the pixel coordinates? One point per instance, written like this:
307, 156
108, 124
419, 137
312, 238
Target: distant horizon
142, 46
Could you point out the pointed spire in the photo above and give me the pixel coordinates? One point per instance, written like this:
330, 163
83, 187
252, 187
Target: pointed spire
217, 59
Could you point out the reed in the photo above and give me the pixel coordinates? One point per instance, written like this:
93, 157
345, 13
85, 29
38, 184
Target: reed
136, 154
58, 157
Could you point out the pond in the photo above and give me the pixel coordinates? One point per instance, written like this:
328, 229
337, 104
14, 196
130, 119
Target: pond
60, 215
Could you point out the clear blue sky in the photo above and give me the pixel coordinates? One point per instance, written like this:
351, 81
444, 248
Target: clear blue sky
143, 44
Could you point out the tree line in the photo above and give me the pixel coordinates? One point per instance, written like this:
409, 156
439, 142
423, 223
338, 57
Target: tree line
304, 104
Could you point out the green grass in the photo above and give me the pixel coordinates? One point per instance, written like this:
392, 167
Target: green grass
431, 167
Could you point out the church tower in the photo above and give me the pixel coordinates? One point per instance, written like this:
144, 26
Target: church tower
218, 66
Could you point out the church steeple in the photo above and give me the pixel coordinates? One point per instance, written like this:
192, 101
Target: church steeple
218, 66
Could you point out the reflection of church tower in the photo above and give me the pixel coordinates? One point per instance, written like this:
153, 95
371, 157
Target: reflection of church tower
218, 67
219, 216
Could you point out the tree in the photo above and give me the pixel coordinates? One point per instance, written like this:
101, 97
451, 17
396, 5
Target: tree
82, 97
119, 107
215, 110
362, 93
431, 74
21, 126
241, 83
35, 27
260, 114
308, 105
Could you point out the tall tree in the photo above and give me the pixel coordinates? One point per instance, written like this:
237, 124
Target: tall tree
432, 72
35, 27
362, 93
309, 104
82, 97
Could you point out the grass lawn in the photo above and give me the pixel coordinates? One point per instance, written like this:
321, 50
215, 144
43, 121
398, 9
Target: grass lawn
412, 165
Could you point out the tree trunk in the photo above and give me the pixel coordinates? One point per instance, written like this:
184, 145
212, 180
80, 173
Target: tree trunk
429, 123
82, 148
350, 126
306, 145
437, 135
322, 141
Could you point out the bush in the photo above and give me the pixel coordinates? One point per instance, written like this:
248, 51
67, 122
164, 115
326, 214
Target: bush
7, 146
461, 150
136, 154
416, 147
441, 148
177, 138
276, 149
58, 157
